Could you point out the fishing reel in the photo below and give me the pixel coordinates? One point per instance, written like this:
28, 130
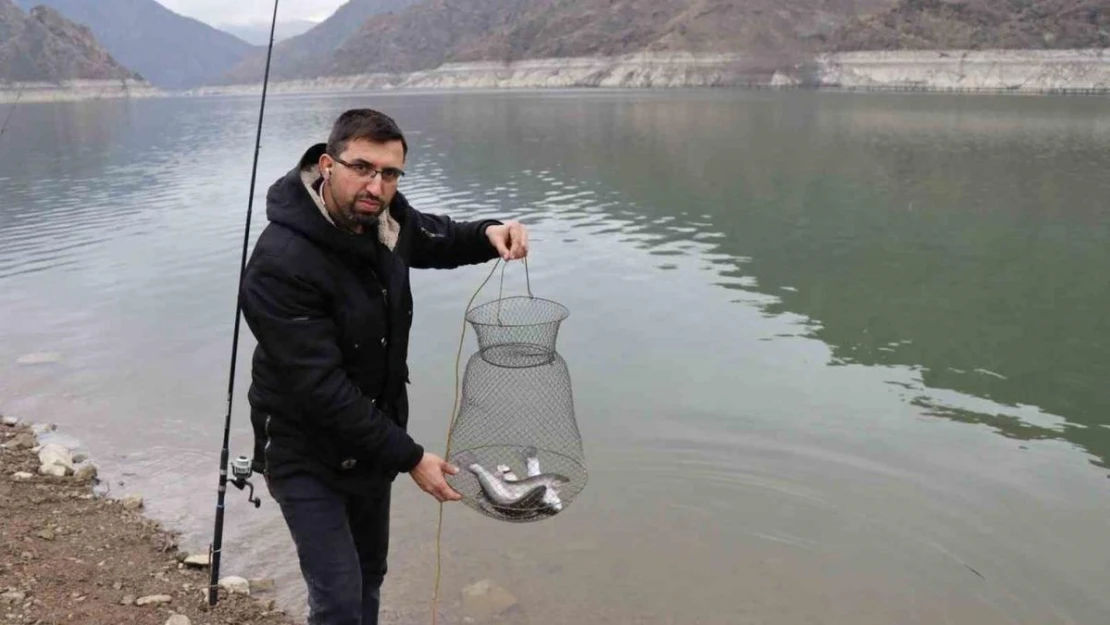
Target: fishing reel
240, 471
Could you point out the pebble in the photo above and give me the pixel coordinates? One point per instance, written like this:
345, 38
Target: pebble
178, 619
25, 440
127, 600
22, 475
13, 596
153, 599
198, 560
132, 502
85, 472
235, 584
10, 421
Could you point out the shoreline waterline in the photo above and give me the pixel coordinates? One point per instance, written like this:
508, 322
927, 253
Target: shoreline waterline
973, 72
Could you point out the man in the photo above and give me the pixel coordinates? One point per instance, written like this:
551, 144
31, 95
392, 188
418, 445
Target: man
326, 294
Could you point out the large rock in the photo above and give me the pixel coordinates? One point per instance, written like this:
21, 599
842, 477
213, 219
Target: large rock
55, 470
198, 560
10, 421
485, 600
53, 457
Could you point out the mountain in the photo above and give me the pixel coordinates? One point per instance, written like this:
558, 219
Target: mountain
980, 24
258, 33
170, 50
304, 54
440, 31
46, 47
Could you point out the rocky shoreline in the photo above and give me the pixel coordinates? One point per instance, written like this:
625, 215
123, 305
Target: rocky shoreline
73, 555
964, 71
949, 71
76, 90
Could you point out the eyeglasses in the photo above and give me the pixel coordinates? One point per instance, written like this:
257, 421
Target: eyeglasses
362, 169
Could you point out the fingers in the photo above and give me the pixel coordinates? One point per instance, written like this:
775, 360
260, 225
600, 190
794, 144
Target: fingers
443, 492
499, 244
518, 235
446, 493
435, 485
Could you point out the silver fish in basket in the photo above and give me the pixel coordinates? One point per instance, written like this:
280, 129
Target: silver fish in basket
525, 494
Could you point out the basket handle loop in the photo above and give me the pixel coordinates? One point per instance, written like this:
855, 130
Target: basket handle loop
527, 280
501, 291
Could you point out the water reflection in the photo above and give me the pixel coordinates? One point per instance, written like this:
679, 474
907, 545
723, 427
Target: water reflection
961, 239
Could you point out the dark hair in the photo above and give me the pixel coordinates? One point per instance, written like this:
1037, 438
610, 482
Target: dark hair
364, 124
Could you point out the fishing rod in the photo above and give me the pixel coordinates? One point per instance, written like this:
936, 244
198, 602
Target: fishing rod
241, 468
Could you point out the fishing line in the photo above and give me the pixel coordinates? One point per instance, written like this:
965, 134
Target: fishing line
217, 535
18, 95
454, 415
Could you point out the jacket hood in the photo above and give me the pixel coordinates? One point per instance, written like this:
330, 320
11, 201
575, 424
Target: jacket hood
293, 202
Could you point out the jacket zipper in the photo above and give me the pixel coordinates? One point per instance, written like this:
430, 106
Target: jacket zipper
266, 449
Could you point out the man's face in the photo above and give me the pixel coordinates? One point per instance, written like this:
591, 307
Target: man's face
362, 181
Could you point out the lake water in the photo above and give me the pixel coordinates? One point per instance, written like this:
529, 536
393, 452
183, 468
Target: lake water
836, 358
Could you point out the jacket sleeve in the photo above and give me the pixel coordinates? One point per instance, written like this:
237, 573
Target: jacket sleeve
442, 243
287, 315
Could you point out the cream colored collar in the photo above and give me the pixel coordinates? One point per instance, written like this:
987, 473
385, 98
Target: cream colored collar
388, 228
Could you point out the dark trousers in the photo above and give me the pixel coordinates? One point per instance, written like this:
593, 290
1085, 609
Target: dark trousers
342, 542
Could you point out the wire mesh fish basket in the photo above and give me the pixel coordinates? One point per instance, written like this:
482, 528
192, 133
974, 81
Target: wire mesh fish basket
515, 438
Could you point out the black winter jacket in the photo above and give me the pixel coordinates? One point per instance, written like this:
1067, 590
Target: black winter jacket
331, 311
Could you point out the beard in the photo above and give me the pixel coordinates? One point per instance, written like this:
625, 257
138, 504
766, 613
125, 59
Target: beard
348, 215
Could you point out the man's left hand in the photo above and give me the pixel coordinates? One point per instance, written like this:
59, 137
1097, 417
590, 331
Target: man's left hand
510, 240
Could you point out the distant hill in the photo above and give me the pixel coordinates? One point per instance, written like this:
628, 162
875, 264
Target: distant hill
980, 24
258, 33
304, 54
44, 46
367, 36
170, 50
439, 31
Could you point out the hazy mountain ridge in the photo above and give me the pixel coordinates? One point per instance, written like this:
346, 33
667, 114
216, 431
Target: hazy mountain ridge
170, 50
307, 53
258, 33
44, 46
434, 32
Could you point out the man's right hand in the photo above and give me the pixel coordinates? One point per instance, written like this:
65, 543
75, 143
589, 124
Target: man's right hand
429, 476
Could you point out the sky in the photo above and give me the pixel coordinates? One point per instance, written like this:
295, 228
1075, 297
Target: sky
248, 11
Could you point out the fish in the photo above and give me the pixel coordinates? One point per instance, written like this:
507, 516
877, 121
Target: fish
507, 473
521, 495
551, 495
532, 461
